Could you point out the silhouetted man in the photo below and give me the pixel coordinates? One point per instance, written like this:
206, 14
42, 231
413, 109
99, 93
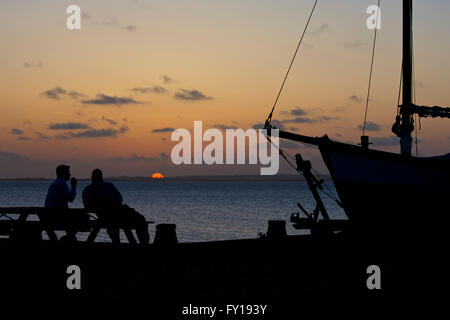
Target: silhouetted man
107, 201
58, 196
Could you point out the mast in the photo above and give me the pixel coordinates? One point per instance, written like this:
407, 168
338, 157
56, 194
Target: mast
406, 110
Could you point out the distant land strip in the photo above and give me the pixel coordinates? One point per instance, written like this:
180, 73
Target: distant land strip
282, 177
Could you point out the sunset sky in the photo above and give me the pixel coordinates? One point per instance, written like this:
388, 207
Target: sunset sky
109, 95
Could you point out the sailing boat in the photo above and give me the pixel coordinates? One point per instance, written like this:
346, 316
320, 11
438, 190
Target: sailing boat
382, 187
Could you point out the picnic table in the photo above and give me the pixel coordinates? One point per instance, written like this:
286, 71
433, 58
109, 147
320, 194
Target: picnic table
14, 220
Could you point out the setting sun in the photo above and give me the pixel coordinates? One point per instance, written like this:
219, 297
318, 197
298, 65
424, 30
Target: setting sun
157, 175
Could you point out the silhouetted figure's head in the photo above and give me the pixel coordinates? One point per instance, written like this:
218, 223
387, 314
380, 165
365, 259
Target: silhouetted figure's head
63, 172
97, 176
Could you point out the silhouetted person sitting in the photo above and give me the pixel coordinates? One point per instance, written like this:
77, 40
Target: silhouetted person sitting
58, 196
107, 201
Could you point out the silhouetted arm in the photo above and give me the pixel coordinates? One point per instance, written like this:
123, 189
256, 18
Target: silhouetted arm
71, 193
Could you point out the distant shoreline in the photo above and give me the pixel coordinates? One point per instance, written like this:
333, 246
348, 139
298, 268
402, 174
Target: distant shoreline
253, 178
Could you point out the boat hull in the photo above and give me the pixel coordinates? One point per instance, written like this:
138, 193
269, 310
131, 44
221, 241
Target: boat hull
381, 187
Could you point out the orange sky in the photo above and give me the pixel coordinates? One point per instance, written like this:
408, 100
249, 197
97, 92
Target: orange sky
221, 62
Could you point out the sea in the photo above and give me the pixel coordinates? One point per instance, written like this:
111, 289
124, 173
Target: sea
201, 210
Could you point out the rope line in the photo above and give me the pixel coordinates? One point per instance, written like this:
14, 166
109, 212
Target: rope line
371, 69
269, 118
284, 155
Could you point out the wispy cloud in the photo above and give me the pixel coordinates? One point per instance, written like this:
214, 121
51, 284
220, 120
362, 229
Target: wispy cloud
370, 126
167, 129
340, 109
300, 120
297, 111
54, 93
68, 126
24, 139
33, 64
224, 127
112, 22
420, 84
57, 92
386, 141
166, 79
130, 27
155, 89
16, 131
110, 121
135, 158
103, 99
321, 29
41, 136
76, 95
190, 95
355, 98
94, 133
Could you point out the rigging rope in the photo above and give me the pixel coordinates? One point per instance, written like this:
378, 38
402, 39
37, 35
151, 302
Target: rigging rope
286, 154
269, 118
371, 68
414, 96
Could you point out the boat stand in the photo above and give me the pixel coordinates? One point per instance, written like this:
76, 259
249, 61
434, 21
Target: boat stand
312, 221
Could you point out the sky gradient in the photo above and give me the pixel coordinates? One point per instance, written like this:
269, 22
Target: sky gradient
109, 94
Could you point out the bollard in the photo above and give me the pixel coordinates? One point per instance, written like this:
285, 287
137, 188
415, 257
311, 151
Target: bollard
165, 234
276, 229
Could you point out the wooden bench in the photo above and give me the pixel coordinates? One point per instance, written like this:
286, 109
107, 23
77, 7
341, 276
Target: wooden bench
14, 220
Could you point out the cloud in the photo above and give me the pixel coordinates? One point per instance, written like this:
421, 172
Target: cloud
300, 120
386, 141
135, 158
33, 65
326, 118
54, 93
103, 99
190, 95
57, 92
94, 133
420, 84
297, 111
86, 16
41, 136
16, 131
111, 122
130, 28
355, 98
23, 138
107, 23
224, 127
354, 44
163, 156
155, 89
370, 126
68, 126
340, 109
13, 157
167, 129
75, 95
166, 79
321, 29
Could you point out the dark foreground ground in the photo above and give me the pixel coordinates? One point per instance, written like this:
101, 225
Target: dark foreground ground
287, 274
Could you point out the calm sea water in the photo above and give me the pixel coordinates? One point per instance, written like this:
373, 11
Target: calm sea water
202, 211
